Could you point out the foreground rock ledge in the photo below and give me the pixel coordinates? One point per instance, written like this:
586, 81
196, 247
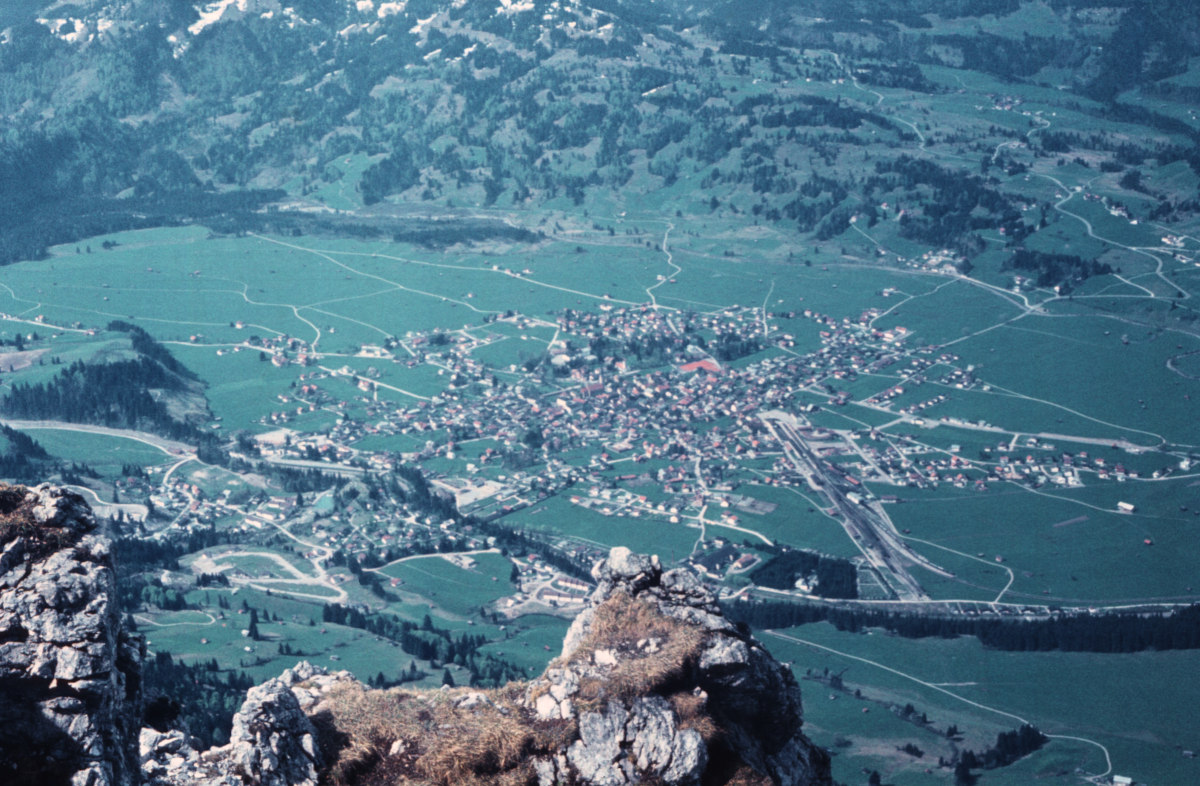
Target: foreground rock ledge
653, 685
70, 675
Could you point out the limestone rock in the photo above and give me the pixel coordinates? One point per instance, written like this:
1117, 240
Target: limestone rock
273, 743
751, 698
659, 747
70, 674
596, 756
622, 745
309, 683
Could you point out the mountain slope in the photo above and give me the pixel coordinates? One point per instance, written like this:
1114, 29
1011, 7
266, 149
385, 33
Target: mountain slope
159, 112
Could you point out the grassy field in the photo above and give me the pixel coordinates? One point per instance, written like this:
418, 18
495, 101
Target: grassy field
530, 641
1141, 715
457, 591
338, 188
106, 454
556, 515
217, 633
1061, 546
241, 388
295, 621
952, 311
798, 520
1116, 384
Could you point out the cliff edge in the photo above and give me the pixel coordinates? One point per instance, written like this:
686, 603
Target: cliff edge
70, 691
653, 685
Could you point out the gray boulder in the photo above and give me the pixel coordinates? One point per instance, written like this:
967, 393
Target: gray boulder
273, 743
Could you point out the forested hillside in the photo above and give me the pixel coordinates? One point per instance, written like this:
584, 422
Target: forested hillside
133, 390
158, 113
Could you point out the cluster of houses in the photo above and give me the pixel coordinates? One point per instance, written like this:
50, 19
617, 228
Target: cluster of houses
494, 441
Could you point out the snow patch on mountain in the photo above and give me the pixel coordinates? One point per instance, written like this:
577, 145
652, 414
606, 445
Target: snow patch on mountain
76, 31
514, 6
388, 9
231, 10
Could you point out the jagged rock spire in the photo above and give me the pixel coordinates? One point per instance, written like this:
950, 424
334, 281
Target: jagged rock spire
70, 675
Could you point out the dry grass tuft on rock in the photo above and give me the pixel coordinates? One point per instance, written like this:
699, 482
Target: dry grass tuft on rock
19, 522
462, 736
466, 736
651, 651
654, 686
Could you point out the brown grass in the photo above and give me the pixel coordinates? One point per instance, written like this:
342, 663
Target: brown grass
692, 709
494, 743
619, 624
438, 742
16, 521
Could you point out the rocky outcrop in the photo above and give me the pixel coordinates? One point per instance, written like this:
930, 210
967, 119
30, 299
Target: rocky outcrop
620, 744
70, 693
653, 685
273, 741
70, 673
714, 692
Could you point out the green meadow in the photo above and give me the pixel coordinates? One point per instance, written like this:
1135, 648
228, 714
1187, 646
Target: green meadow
457, 591
559, 516
1123, 389
1141, 716
106, 454
530, 641
1061, 546
798, 520
216, 633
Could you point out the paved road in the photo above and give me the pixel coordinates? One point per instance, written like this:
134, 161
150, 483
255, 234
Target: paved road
133, 510
169, 446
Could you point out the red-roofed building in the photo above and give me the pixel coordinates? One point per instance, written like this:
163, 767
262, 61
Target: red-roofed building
701, 365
